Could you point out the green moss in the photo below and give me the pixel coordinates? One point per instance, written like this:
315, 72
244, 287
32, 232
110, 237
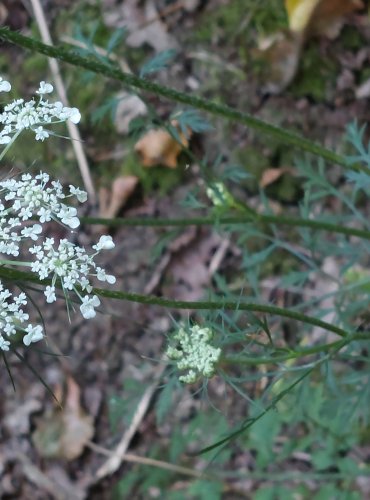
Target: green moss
316, 75
254, 161
364, 75
241, 18
269, 16
34, 65
287, 189
84, 21
258, 157
351, 38
137, 57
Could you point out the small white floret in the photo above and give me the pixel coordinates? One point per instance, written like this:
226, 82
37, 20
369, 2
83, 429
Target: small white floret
34, 334
88, 306
80, 195
4, 87
105, 243
45, 88
50, 294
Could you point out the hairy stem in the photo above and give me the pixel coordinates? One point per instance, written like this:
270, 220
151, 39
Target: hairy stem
227, 219
16, 275
244, 360
211, 107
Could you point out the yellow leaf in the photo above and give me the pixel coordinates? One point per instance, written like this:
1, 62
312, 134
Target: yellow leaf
300, 13
323, 17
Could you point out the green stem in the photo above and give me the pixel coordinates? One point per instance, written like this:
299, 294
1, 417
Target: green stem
14, 263
250, 421
238, 219
243, 360
221, 305
197, 102
14, 274
9, 145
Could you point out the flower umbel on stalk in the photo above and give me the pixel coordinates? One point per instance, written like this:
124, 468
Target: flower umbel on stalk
27, 203
36, 115
192, 351
70, 266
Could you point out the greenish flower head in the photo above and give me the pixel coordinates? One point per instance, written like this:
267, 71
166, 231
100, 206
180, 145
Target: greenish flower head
355, 274
219, 195
193, 352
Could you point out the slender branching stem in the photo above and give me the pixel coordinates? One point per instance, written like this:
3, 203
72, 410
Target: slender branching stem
112, 71
228, 220
16, 275
239, 359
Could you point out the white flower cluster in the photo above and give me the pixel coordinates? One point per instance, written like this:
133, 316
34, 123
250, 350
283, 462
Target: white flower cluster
38, 197
193, 351
26, 203
19, 114
70, 266
66, 264
12, 319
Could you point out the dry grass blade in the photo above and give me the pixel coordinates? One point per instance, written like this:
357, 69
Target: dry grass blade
117, 457
72, 128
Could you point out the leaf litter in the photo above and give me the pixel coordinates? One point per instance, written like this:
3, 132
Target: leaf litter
187, 274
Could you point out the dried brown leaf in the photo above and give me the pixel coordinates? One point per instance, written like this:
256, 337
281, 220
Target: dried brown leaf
158, 147
143, 23
129, 106
63, 433
280, 54
112, 201
188, 273
282, 51
271, 175
320, 17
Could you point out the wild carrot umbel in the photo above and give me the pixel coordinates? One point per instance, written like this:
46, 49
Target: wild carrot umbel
27, 203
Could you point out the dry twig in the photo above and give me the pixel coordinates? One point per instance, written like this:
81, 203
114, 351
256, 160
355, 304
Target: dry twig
117, 456
72, 128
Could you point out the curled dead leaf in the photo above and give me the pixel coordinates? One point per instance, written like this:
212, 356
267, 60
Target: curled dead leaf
63, 433
158, 147
281, 52
363, 91
112, 201
271, 175
129, 106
